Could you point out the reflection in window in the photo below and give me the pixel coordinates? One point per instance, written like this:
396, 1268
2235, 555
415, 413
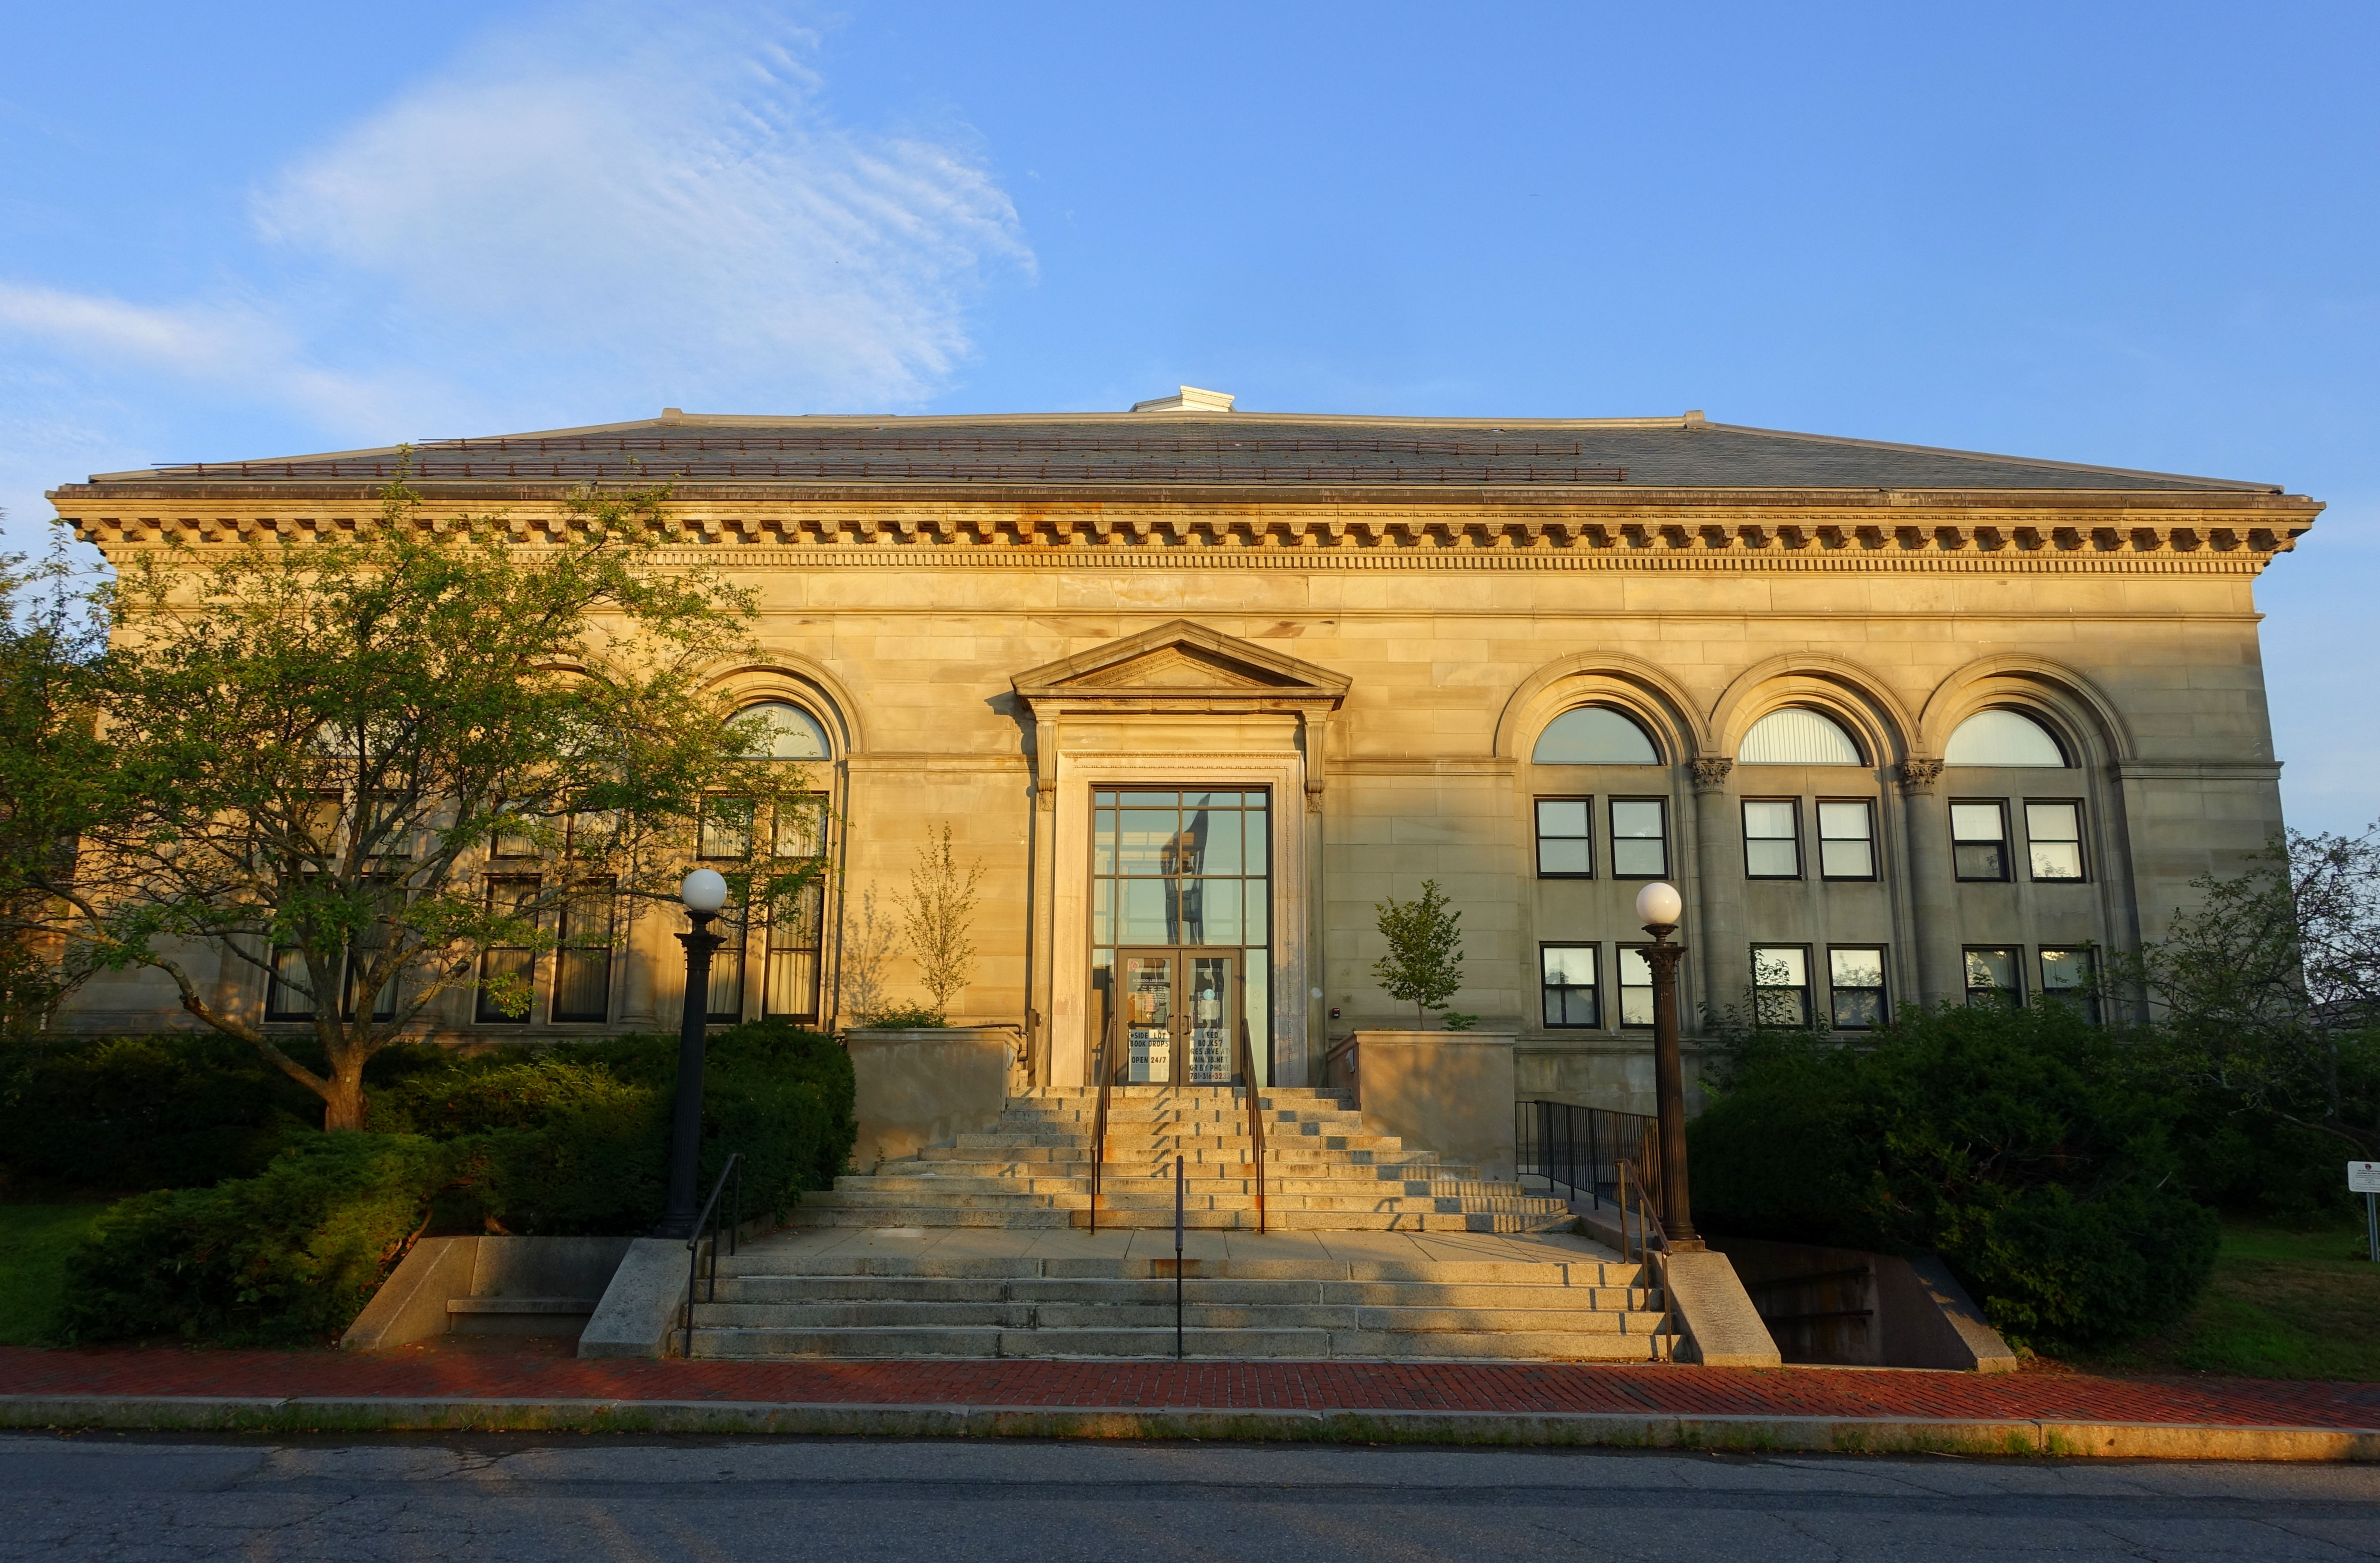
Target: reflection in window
1847, 840
1635, 987
1979, 840
2003, 738
1772, 839
1565, 840
1568, 973
1855, 984
1780, 984
1796, 736
1593, 736
1172, 867
2053, 839
2071, 976
1994, 975
1640, 845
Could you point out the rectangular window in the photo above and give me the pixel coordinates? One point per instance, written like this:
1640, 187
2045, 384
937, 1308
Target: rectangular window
1979, 840
2053, 837
1847, 840
593, 832
801, 826
1635, 988
791, 987
1780, 984
508, 972
1994, 975
1565, 839
1855, 981
1639, 838
582, 965
2071, 976
726, 828
512, 841
285, 998
725, 1005
1571, 993
1772, 839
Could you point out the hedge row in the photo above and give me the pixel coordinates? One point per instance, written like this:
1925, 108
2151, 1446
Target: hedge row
2043, 1157
574, 1140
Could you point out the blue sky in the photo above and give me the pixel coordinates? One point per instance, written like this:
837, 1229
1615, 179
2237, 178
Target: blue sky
2137, 235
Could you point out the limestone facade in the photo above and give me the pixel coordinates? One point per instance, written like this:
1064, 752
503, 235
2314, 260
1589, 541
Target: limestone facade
1370, 624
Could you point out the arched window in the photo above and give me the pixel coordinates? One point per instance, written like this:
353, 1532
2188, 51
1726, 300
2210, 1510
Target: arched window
1593, 736
2002, 737
796, 734
1797, 736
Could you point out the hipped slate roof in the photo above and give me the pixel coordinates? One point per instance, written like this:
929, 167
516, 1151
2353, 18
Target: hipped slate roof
1127, 449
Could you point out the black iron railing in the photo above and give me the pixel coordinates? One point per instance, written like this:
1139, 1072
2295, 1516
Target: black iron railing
706, 1226
1106, 1068
1256, 1124
1579, 1151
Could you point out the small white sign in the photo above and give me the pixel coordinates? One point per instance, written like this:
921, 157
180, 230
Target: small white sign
2363, 1177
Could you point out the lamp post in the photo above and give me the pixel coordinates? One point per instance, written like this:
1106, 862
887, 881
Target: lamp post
704, 893
1659, 906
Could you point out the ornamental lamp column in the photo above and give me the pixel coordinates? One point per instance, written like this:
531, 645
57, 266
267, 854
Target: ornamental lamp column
1660, 906
704, 893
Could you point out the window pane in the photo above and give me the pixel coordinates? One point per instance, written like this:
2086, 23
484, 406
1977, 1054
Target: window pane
496, 966
1570, 964
1780, 965
1637, 820
1145, 907
1144, 844
1991, 968
726, 827
1980, 860
1844, 821
1847, 860
1562, 816
801, 827
1103, 842
1639, 860
1768, 821
1258, 860
582, 985
2065, 969
1976, 822
1255, 912
1565, 857
2056, 860
1102, 908
285, 1000
1219, 836
1210, 910
1856, 968
1782, 1006
1771, 860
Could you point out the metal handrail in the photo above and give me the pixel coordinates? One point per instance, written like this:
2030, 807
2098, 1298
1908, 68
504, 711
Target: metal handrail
694, 1249
1099, 1118
1255, 1122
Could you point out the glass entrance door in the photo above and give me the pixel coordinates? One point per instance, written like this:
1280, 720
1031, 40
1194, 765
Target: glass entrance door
1179, 1009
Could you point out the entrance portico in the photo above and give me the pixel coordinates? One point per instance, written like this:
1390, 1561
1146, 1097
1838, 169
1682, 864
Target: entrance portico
1179, 716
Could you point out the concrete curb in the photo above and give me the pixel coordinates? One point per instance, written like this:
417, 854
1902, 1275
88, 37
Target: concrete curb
2020, 1436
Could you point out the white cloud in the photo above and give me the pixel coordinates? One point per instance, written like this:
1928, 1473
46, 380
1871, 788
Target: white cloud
574, 221
666, 199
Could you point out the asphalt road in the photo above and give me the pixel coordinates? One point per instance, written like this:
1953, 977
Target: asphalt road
591, 1500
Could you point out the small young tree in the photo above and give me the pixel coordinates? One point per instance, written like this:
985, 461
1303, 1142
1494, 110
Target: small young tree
1423, 966
312, 752
937, 920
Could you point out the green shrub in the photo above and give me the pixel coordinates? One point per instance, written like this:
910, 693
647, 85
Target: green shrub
904, 1017
2041, 1156
291, 1254
144, 1112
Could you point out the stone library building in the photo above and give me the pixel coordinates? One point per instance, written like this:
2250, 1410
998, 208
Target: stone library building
1198, 688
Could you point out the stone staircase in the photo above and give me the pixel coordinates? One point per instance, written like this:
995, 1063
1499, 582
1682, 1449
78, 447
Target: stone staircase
1323, 1172
1373, 1251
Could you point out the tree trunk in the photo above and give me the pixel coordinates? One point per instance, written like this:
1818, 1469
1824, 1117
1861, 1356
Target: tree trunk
343, 1105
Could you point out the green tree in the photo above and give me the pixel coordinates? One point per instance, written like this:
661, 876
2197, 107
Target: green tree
938, 921
361, 765
1423, 966
55, 778
2266, 993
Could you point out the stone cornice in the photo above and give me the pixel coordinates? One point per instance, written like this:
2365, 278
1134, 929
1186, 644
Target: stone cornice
2212, 534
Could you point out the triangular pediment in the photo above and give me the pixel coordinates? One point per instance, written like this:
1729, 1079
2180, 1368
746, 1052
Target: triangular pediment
1182, 658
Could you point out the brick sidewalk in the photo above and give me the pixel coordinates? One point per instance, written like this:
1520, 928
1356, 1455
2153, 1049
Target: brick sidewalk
1542, 1389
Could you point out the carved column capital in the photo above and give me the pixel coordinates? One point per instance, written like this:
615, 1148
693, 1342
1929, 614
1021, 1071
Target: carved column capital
1919, 775
1710, 772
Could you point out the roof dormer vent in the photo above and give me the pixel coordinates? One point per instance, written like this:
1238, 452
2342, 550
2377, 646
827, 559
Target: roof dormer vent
1189, 398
